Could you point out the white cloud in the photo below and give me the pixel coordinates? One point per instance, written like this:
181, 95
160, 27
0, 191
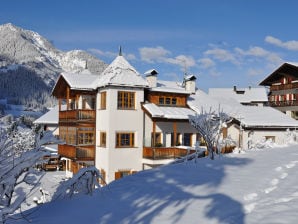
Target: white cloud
99, 52
151, 55
161, 55
290, 45
110, 54
221, 55
259, 52
206, 63
182, 60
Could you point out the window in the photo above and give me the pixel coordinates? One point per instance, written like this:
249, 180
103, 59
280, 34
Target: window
125, 140
187, 139
123, 173
272, 138
157, 141
86, 136
167, 100
126, 100
103, 139
161, 100
93, 103
103, 100
68, 134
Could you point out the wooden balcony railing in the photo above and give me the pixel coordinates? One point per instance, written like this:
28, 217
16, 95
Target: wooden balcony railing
77, 115
284, 86
286, 103
77, 152
164, 152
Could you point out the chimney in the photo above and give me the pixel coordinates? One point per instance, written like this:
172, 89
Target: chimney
190, 83
235, 88
151, 78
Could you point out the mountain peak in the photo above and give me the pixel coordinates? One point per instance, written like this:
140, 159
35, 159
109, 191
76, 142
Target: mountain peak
10, 26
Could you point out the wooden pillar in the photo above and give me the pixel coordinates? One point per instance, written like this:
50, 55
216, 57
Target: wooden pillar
154, 135
77, 101
67, 97
175, 133
59, 104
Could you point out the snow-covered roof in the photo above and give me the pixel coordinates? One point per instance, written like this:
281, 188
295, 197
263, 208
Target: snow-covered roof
120, 73
51, 117
242, 95
168, 112
80, 80
250, 116
170, 87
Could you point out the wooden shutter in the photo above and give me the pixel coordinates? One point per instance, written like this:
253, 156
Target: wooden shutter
117, 175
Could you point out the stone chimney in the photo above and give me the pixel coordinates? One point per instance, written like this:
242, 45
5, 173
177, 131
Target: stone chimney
151, 78
190, 83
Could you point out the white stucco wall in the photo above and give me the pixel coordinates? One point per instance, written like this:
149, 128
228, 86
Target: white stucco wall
111, 120
257, 135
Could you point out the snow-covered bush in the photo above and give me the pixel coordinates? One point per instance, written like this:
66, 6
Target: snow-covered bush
17, 175
83, 182
209, 125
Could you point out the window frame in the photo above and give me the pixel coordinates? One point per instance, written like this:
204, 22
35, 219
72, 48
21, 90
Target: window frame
126, 100
103, 100
123, 137
103, 139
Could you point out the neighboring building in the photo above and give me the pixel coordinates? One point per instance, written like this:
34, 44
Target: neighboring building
246, 96
248, 122
283, 94
49, 121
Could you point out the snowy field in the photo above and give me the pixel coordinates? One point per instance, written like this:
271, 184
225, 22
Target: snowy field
259, 186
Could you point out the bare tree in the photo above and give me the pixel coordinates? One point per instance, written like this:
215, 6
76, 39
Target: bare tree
209, 125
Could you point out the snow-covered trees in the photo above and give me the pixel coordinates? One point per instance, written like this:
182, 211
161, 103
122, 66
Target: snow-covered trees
17, 175
85, 181
209, 125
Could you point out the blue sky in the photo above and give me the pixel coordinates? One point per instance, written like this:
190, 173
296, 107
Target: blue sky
223, 43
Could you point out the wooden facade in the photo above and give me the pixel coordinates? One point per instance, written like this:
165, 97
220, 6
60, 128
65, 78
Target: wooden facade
168, 99
76, 123
283, 86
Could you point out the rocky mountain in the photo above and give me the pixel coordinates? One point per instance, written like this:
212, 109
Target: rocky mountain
30, 66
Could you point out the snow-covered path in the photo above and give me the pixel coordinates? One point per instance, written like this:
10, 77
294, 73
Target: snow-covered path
254, 187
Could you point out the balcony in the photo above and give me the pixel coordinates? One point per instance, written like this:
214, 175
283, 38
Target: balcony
85, 153
157, 153
287, 103
284, 86
77, 116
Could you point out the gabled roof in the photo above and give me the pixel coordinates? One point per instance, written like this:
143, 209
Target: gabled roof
249, 116
180, 113
120, 73
51, 117
243, 95
169, 87
286, 69
80, 81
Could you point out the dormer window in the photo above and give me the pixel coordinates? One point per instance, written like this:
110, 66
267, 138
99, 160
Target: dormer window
167, 101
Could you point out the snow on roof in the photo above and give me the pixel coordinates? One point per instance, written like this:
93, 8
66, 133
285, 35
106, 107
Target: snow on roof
120, 72
168, 112
250, 116
243, 95
170, 87
51, 117
80, 80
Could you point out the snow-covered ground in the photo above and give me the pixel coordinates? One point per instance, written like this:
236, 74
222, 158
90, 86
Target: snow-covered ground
258, 186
